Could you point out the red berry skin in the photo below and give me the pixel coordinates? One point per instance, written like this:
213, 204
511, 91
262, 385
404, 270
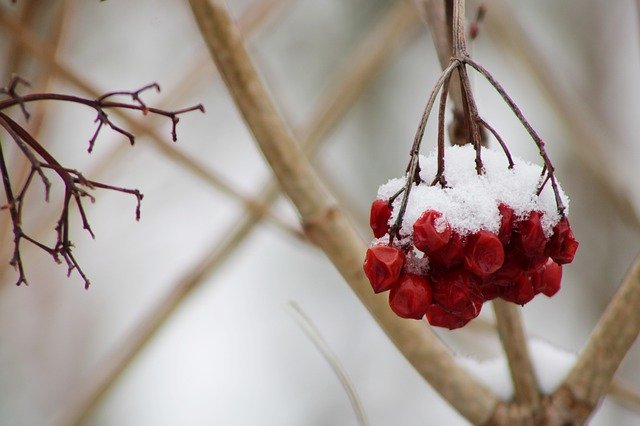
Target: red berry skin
484, 253
451, 255
506, 223
520, 291
531, 239
440, 317
562, 246
382, 265
426, 235
379, 218
547, 279
458, 292
490, 290
527, 263
411, 297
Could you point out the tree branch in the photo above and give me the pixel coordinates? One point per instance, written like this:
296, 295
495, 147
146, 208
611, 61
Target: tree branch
610, 341
323, 221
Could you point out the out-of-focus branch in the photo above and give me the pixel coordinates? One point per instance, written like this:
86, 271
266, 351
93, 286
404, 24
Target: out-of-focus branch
43, 51
513, 340
610, 341
588, 137
370, 58
324, 222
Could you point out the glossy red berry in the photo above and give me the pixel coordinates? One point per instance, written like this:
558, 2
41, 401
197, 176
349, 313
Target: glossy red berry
440, 317
458, 291
451, 255
520, 291
411, 297
484, 253
547, 279
506, 223
382, 265
531, 239
429, 233
562, 246
379, 218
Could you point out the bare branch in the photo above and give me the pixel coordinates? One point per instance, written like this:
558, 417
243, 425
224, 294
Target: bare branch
611, 339
323, 221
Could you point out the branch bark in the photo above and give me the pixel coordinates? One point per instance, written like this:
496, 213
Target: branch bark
323, 221
611, 339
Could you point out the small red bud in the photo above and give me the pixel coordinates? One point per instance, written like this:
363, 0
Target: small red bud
484, 253
562, 246
531, 236
382, 266
411, 297
428, 236
379, 218
440, 317
506, 223
450, 255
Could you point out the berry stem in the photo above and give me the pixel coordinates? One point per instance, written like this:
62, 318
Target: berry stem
534, 135
415, 148
439, 178
496, 135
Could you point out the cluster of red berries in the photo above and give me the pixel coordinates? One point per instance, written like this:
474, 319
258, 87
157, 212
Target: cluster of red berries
464, 271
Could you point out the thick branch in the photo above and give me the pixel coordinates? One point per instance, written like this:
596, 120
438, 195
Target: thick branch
611, 339
324, 223
514, 342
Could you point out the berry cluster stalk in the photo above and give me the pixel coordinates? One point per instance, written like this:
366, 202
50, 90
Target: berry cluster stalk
473, 121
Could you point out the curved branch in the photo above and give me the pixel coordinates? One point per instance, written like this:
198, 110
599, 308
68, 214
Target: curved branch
323, 221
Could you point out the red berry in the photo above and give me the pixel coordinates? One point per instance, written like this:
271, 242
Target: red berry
379, 218
520, 291
490, 290
440, 317
382, 265
484, 253
450, 255
429, 236
411, 297
562, 246
547, 279
506, 223
531, 239
527, 263
458, 292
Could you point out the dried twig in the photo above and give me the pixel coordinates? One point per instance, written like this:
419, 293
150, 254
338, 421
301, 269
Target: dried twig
41, 50
76, 185
323, 221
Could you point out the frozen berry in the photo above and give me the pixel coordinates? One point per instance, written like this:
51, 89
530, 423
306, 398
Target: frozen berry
382, 266
531, 239
506, 223
562, 246
547, 280
484, 253
440, 317
379, 218
457, 291
450, 255
520, 291
430, 233
411, 297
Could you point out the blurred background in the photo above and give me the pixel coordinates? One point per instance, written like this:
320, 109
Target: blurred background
188, 318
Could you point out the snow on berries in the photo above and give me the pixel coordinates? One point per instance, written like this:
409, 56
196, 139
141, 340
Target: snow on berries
447, 248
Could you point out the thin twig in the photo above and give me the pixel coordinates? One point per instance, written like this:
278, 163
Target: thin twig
609, 342
41, 50
312, 332
371, 56
323, 221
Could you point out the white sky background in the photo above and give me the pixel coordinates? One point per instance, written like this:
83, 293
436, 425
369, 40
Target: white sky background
232, 353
